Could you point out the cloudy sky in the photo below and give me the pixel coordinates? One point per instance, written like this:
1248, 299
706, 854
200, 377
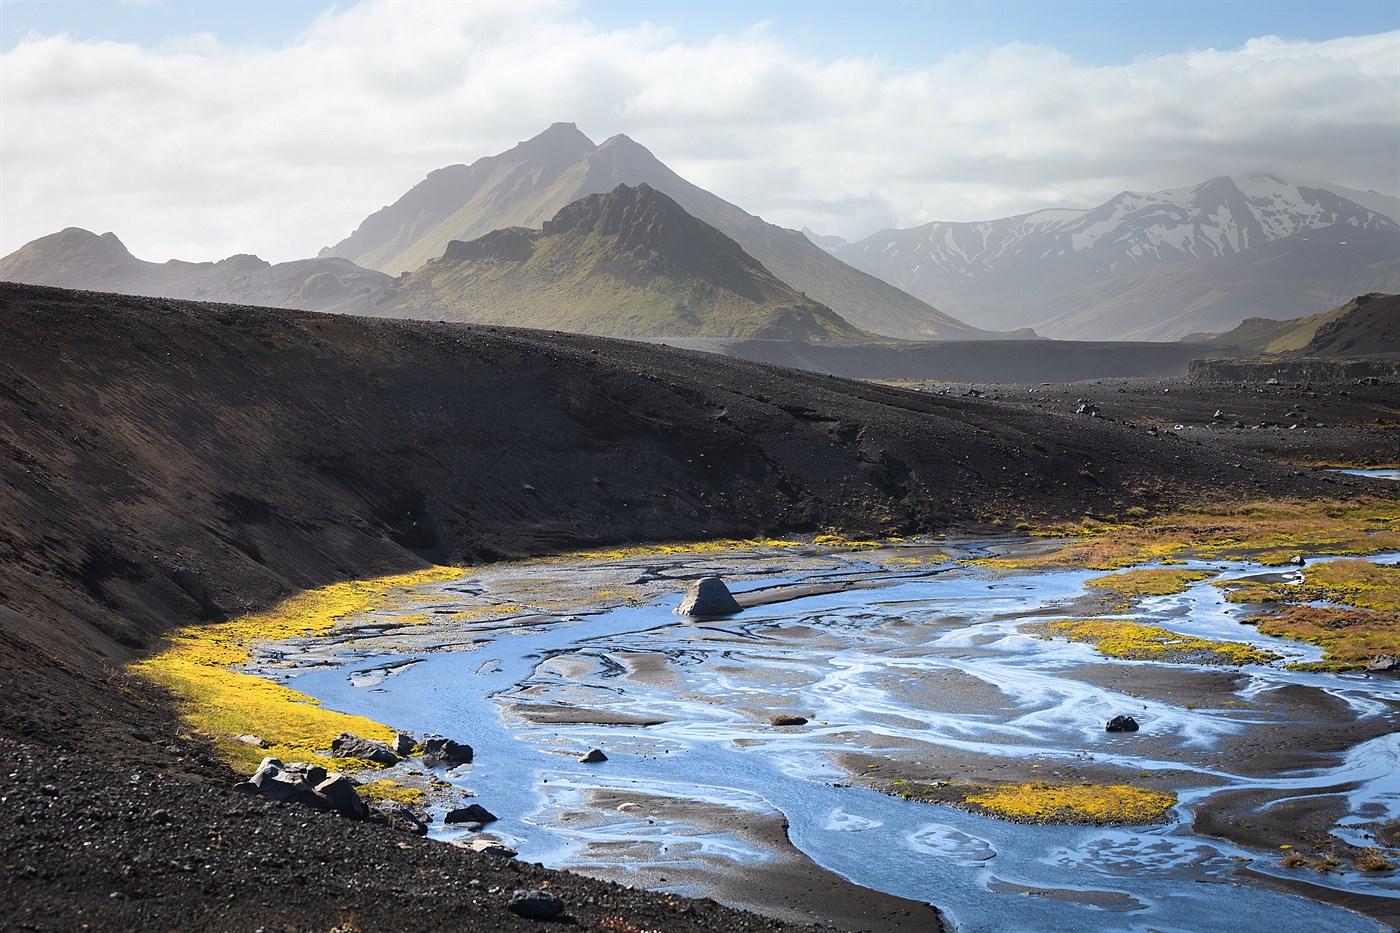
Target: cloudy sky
198, 130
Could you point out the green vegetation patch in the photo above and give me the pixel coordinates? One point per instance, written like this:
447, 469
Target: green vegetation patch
1134, 641
223, 703
1349, 608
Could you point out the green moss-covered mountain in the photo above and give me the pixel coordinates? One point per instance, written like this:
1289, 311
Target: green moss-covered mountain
528, 184
628, 263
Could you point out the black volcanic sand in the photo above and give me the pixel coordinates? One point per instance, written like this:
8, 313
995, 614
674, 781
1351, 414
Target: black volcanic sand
1349, 424
168, 462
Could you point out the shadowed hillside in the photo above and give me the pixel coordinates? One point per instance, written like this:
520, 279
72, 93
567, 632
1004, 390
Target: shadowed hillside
170, 461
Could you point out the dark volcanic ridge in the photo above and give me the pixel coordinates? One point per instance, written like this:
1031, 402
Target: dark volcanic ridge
171, 461
628, 263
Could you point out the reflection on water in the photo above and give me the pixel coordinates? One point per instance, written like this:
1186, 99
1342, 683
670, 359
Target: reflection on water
925, 667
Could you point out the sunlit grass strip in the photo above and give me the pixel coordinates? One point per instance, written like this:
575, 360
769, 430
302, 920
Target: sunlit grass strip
1074, 803
222, 703
1271, 532
1151, 581
1137, 642
650, 550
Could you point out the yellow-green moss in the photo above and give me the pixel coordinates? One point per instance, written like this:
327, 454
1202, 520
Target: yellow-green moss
392, 790
1132, 640
222, 703
1151, 581
1350, 608
1074, 803
1268, 531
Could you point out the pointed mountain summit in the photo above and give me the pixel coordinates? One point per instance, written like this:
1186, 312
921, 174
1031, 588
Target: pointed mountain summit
534, 180
631, 263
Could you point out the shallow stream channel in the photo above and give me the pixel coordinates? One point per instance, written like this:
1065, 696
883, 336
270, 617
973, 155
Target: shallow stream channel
911, 667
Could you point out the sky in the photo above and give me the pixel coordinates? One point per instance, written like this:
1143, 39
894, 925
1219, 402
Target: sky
198, 130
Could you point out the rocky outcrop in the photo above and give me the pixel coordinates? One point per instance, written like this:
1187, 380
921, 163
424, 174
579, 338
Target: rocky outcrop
309, 785
349, 745
708, 597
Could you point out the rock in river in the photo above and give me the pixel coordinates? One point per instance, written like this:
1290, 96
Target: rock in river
472, 813
1121, 724
593, 756
440, 752
708, 597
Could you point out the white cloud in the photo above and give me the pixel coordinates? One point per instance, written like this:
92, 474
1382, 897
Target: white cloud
198, 150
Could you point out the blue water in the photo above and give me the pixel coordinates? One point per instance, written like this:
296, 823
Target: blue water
930, 661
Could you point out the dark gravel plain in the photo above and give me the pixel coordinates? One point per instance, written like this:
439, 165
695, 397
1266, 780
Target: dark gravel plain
165, 463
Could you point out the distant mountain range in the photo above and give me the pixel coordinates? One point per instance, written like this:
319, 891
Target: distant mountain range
1153, 266
533, 181
628, 263
673, 260
76, 258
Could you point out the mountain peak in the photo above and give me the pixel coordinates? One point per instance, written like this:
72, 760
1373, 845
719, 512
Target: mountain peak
639, 216
559, 138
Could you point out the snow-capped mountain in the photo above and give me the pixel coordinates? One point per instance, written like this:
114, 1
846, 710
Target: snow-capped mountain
1018, 271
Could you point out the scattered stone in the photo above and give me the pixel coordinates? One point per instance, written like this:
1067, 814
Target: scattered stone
256, 741
535, 905
439, 752
594, 756
1383, 662
708, 597
400, 817
403, 744
472, 813
349, 745
787, 719
486, 847
1121, 724
629, 807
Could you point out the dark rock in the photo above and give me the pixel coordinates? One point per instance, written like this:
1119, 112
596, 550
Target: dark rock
487, 847
439, 753
400, 817
1383, 662
1121, 724
340, 792
472, 813
1297, 560
708, 597
787, 719
535, 905
402, 745
275, 781
349, 745
593, 756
